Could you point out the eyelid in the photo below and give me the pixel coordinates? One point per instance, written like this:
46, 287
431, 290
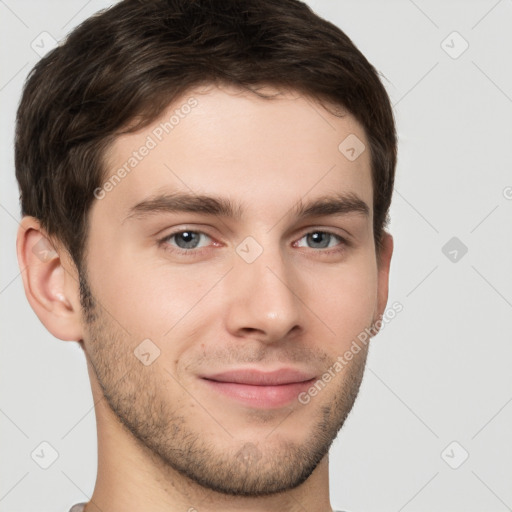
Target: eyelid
336, 231
343, 245
164, 241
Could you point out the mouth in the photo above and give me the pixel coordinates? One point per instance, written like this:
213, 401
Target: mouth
260, 389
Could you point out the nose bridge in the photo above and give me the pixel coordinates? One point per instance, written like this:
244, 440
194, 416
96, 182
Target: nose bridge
262, 290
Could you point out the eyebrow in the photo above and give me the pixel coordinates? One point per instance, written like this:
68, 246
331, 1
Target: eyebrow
335, 204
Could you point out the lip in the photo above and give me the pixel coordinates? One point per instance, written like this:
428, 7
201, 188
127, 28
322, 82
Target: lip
260, 389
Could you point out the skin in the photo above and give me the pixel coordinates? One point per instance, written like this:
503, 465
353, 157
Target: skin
166, 439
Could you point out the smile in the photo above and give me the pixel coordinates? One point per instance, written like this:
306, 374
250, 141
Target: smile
266, 390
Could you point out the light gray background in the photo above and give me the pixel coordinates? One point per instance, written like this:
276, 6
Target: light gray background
438, 373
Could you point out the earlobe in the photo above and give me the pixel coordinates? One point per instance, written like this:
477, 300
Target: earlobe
49, 280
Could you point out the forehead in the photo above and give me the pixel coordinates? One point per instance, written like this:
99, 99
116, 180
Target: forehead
230, 142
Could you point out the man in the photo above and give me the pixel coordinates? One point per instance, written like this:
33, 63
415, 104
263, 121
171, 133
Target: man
205, 188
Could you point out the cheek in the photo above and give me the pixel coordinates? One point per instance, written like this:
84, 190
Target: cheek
345, 300
156, 300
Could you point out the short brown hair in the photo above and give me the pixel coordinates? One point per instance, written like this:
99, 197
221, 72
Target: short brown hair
129, 62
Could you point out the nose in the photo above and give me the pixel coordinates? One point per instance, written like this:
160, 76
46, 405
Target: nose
265, 301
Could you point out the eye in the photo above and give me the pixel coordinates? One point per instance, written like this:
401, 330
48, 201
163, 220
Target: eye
187, 242
322, 240
184, 241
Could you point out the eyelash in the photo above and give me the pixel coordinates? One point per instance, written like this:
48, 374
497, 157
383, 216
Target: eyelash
164, 242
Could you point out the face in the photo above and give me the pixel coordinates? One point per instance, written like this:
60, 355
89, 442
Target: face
228, 268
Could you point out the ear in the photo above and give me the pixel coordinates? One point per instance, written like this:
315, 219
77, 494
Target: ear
383, 265
50, 280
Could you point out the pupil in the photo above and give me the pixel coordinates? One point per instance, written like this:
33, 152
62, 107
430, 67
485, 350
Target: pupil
189, 238
317, 237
